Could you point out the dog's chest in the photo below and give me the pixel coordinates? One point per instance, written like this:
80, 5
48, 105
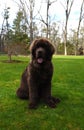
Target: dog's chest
43, 75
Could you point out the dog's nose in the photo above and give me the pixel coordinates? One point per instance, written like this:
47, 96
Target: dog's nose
39, 52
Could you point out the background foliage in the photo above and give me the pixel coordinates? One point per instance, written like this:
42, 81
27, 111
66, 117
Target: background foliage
29, 24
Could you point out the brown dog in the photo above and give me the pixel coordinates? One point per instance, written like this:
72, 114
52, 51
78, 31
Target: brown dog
36, 79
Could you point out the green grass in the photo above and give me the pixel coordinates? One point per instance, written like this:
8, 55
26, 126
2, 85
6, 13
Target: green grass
67, 84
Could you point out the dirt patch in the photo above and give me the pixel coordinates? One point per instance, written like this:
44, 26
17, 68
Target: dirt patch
12, 61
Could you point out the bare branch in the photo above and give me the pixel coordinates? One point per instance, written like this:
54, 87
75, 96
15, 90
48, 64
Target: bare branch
17, 3
52, 2
42, 20
70, 7
63, 5
38, 11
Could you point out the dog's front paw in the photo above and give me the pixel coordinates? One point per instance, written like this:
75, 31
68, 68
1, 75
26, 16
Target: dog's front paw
56, 100
51, 103
32, 105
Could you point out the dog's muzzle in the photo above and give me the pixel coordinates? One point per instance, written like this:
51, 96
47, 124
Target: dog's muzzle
40, 55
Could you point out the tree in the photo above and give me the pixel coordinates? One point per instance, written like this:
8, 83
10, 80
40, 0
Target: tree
54, 36
79, 23
68, 7
1, 39
47, 21
19, 24
16, 38
4, 29
82, 36
20, 29
73, 38
32, 3
28, 9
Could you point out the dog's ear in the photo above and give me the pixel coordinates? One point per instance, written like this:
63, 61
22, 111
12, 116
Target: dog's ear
33, 47
51, 48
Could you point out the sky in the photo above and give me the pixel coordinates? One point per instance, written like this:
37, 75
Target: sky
56, 11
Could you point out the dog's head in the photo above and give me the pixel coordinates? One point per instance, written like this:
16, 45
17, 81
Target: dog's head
41, 50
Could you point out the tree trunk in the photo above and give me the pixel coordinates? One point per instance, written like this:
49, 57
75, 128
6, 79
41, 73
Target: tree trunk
10, 58
65, 42
47, 22
31, 21
9, 55
67, 13
78, 29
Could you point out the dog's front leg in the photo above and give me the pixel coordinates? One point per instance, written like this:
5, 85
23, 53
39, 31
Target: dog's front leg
33, 95
47, 96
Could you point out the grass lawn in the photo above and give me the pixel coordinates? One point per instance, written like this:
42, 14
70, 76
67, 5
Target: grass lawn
67, 84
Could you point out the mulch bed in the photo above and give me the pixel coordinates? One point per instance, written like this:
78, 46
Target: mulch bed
12, 61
